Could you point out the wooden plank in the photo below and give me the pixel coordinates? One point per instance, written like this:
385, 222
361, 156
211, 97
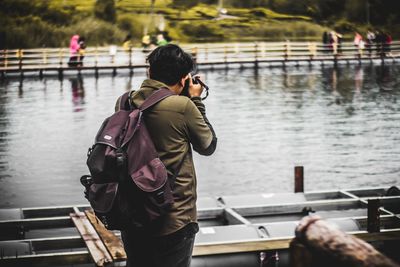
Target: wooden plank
49, 211
384, 235
276, 209
213, 248
53, 243
209, 213
110, 240
93, 242
51, 259
37, 223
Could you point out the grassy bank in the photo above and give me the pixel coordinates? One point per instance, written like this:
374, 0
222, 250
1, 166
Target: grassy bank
51, 23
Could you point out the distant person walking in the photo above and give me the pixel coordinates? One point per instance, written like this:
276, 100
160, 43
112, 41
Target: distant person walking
370, 41
380, 41
359, 43
127, 44
81, 51
387, 44
325, 41
335, 39
73, 51
161, 40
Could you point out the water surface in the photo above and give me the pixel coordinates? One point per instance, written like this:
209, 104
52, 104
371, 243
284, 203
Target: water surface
342, 124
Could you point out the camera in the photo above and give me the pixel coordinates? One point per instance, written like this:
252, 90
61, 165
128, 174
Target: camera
195, 80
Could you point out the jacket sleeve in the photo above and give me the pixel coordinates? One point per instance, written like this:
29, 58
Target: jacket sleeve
201, 133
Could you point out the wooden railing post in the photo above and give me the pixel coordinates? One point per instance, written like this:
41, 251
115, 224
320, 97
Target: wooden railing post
130, 57
60, 54
299, 179
60, 70
287, 50
96, 70
206, 53
256, 55
44, 53
5, 58
225, 54
262, 50
20, 58
312, 47
373, 225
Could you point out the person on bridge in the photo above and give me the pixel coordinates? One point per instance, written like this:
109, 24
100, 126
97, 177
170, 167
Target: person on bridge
127, 44
177, 124
74, 51
81, 51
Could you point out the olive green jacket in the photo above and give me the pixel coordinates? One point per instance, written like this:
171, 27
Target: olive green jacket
175, 124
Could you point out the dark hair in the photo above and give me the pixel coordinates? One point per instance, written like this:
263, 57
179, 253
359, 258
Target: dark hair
169, 64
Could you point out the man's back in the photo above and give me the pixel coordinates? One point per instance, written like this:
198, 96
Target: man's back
174, 124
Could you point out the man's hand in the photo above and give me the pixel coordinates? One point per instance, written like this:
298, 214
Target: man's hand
194, 89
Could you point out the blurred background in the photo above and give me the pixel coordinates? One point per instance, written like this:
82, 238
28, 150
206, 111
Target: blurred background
51, 23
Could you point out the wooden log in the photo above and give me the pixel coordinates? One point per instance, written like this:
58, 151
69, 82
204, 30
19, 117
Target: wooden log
110, 240
331, 247
93, 242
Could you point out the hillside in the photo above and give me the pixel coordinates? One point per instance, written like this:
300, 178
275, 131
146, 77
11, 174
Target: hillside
50, 23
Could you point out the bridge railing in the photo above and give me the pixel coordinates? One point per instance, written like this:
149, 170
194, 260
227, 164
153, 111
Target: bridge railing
208, 53
290, 51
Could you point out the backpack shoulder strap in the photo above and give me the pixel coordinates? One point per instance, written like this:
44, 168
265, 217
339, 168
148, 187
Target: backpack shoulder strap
124, 103
156, 97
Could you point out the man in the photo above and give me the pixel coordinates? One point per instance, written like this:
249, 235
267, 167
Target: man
175, 124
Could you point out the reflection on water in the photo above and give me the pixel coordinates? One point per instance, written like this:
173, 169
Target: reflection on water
342, 124
78, 93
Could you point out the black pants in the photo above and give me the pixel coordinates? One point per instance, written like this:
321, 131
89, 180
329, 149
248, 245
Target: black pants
174, 250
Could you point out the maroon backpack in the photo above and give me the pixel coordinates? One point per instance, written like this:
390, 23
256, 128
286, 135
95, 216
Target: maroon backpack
128, 185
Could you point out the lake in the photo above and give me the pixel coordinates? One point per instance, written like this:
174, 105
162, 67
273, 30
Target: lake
342, 124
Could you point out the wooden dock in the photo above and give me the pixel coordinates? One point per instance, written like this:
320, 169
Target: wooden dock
50, 61
244, 227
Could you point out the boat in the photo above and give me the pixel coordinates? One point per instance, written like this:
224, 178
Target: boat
238, 230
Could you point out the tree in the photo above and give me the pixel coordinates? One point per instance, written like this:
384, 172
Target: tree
105, 10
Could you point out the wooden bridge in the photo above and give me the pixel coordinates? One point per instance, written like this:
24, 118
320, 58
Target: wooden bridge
43, 61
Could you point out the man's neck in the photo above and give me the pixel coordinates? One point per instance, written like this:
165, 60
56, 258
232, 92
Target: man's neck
176, 89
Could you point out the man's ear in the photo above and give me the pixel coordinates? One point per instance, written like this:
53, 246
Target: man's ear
182, 81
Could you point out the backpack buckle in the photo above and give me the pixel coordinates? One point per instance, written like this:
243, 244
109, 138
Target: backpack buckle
120, 157
90, 149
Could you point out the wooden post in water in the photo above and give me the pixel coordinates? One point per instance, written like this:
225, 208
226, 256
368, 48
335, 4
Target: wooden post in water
60, 54
44, 56
256, 55
206, 53
226, 57
3, 73
299, 179
96, 70
130, 61
20, 55
5, 58
44, 63
373, 225
130, 56
319, 243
